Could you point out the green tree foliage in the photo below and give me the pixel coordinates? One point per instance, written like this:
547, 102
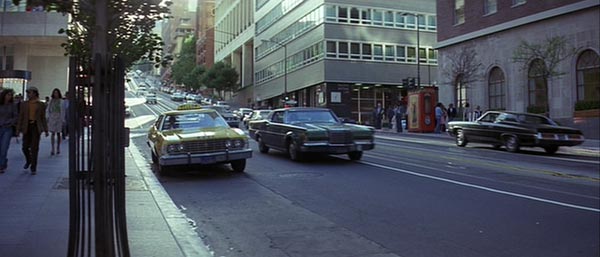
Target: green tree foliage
221, 77
129, 31
184, 69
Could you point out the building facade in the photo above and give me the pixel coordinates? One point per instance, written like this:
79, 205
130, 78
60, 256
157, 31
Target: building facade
205, 33
345, 55
503, 83
30, 44
234, 44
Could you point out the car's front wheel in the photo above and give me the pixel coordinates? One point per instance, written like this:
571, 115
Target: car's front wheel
461, 139
293, 152
238, 165
261, 145
512, 144
551, 149
355, 156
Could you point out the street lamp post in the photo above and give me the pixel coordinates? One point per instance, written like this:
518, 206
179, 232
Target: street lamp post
284, 65
418, 47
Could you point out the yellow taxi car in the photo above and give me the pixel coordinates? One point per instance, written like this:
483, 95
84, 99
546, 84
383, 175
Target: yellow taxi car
191, 135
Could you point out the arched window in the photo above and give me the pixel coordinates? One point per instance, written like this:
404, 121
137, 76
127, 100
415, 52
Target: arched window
538, 87
497, 89
460, 92
588, 76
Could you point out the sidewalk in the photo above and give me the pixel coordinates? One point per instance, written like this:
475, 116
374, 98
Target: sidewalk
34, 210
590, 147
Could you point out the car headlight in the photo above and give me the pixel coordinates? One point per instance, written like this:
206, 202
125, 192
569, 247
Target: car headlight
228, 143
238, 143
175, 148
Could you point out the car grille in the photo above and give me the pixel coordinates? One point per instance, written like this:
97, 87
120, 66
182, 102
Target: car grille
340, 137
205, 146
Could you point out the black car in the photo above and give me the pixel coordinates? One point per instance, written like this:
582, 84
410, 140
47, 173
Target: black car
514, 130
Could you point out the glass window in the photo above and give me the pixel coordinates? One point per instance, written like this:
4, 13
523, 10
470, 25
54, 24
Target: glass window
355, 50
366, 51
331, 49
410, 21
343, 49
538, 86
459, 11
354, 15
389, 53
588, 76
330, 13
432, 56
389, 19
377, 17
411, 54
401, 53
422, 55
343, 14
400, 23
421, 20
461, 95
431, 22
378, 52
496, 88
365, 16
490, 6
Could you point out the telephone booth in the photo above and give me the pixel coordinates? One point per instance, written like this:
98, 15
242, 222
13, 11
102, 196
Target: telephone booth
421, 109
15, 79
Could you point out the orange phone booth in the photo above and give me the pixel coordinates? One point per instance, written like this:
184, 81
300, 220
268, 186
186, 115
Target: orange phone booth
421, 109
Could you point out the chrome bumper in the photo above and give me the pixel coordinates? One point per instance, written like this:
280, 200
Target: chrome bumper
335, 148
204, 158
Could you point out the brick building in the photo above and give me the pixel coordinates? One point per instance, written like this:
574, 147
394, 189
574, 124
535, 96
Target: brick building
493, 29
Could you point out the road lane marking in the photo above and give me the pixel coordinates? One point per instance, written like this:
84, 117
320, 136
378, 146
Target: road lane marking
385, 158
483, 187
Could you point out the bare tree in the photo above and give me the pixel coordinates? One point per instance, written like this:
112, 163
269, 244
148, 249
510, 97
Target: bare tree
463, 68
552, 51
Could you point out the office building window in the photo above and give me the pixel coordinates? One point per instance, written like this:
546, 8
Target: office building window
342, 14
431, 22
421, 21
377, 17
343, 49
422, 55
490, 6
389, 53
588, 76
366, 51
459, 11
330, 13
401, 53
331, 49
378, 52
432, 56
365, 16
355, 50
518, 2
496, 89
400, 20
411, 54
354, 15
538, 85
410, 22
389, 19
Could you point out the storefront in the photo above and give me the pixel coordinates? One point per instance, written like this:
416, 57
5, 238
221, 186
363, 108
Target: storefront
15, 79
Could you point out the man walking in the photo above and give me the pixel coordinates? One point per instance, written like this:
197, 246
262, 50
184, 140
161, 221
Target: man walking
400, 112
31, 123
451, 112
378, 115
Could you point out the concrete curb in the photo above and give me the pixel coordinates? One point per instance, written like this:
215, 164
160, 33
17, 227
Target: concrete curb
184, 234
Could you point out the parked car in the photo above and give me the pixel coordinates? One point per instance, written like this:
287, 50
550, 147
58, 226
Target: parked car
151, 98
224, 110
198, 99
190, 97
318, 130
178, 97
255, 115
196, 137
515, 130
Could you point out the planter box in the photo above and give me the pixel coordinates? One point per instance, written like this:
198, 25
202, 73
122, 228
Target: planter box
587, 113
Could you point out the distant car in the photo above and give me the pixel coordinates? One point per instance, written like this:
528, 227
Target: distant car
190, 97
221, 103
515, 130
196, 137
318, 130
231, 119
178, 97
242, 112
255, 115
151, 98
198, 99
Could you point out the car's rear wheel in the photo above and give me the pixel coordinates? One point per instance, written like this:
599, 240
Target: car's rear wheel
293, 152
461, 139
238, 165
355, 156
261, 145
511, 143
551, 149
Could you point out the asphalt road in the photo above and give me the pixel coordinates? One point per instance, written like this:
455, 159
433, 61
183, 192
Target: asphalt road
411, 196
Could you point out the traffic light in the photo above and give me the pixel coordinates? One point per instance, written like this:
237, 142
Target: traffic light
412, 83
405, 82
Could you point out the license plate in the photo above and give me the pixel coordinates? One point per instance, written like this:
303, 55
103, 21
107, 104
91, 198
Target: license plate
208, 159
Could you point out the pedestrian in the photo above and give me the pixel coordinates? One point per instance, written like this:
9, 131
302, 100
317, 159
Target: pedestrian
467, 115
8, 122
451, 112
65, 107
55, 116
378, 115
438, 117
31, 123
476, 113
400, 113
18, 99
390, 115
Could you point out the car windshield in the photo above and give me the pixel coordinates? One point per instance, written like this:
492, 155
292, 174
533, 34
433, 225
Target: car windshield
310, 116
194, 121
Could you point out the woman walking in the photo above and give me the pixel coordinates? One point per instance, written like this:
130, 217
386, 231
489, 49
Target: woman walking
8, 121
55, 116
